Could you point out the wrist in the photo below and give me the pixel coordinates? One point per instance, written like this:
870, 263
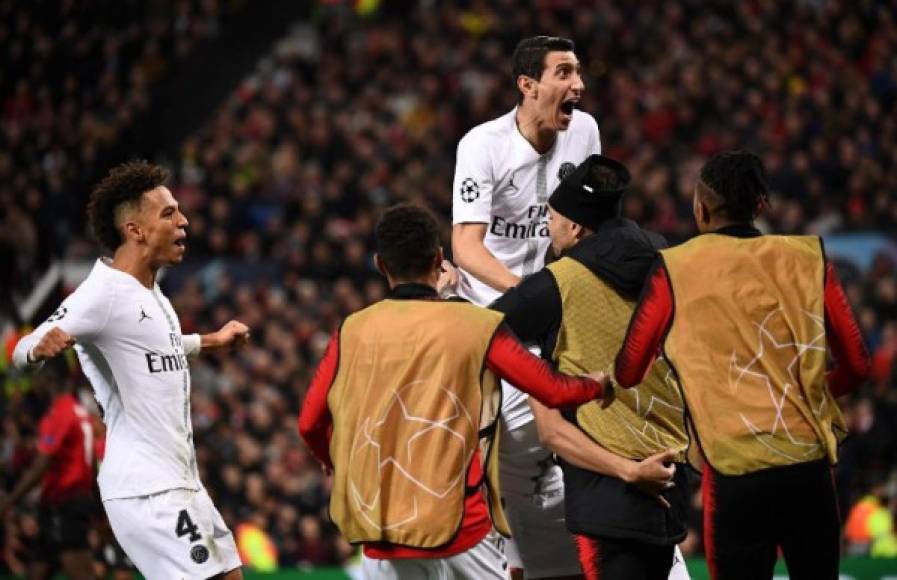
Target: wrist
209, 341
627, 470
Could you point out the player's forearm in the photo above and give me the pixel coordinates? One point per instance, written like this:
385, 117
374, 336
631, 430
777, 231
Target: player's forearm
315, 428
20, 356
508, 359
209, 341
476, 260
852, 362
574, 446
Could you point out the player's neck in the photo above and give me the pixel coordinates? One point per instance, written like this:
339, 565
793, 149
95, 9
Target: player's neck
717, 223
132, 261
430, 280
533, 130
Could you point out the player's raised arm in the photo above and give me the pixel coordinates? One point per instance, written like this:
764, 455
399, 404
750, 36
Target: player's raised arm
80, 317
232, 335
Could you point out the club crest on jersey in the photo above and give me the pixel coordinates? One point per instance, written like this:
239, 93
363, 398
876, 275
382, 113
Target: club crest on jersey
199, 553
470, 191
565, 169
144, 315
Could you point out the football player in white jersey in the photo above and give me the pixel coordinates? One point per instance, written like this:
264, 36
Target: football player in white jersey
128, 339
506, 169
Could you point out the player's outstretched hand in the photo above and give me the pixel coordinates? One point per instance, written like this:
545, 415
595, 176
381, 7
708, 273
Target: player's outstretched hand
654, 475
232, 334
51, 344
448, 279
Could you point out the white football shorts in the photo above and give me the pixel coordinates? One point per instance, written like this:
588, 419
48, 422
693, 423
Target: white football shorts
484, 561
173, 535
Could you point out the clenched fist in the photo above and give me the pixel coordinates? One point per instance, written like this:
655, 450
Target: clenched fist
50, 345
232, 334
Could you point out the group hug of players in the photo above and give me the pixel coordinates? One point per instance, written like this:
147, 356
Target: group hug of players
455, 451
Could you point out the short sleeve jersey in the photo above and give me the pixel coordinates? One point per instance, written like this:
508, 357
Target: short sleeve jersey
129, 343
501, 181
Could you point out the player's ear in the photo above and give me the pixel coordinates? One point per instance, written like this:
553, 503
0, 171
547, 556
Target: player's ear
527, 86
703, 214
378, 262
133, 231
701, 210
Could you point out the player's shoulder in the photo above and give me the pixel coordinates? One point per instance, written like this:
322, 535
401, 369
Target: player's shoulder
97, 294
486, 134
583, 122
96, 287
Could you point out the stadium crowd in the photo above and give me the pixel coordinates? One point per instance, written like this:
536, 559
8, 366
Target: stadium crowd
75, 77
284, 182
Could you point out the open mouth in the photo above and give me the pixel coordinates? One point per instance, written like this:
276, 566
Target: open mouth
181, 242
567, 107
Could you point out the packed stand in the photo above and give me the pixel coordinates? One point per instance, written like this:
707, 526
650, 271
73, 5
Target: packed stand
75, 77
283, 184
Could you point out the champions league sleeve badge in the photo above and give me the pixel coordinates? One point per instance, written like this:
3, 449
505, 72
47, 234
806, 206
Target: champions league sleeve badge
470, 191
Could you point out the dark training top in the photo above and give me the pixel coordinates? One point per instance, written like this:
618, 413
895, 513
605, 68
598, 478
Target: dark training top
621, 254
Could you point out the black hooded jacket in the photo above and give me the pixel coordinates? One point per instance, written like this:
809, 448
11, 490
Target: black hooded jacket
622, 255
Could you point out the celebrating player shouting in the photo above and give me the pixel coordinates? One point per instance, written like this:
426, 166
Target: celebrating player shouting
505, 170
128, 339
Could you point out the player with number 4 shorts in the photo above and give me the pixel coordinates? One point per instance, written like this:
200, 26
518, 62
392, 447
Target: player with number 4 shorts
129, 342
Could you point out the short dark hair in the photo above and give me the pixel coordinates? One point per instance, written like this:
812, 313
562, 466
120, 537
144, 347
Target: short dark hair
738, 179
124, 184
529, 56
407, 240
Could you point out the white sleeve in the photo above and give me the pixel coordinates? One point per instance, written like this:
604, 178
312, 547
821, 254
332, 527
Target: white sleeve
82, 316
595, 139
473, 184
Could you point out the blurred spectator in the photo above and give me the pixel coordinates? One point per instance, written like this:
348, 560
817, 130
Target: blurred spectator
75, 76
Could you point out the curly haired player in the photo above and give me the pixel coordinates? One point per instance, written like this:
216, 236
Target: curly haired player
129, 342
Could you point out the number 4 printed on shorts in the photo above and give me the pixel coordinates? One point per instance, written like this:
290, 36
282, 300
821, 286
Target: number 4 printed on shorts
186, 526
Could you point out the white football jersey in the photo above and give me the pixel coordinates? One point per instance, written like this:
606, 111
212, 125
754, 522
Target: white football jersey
130, 346
501, 181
